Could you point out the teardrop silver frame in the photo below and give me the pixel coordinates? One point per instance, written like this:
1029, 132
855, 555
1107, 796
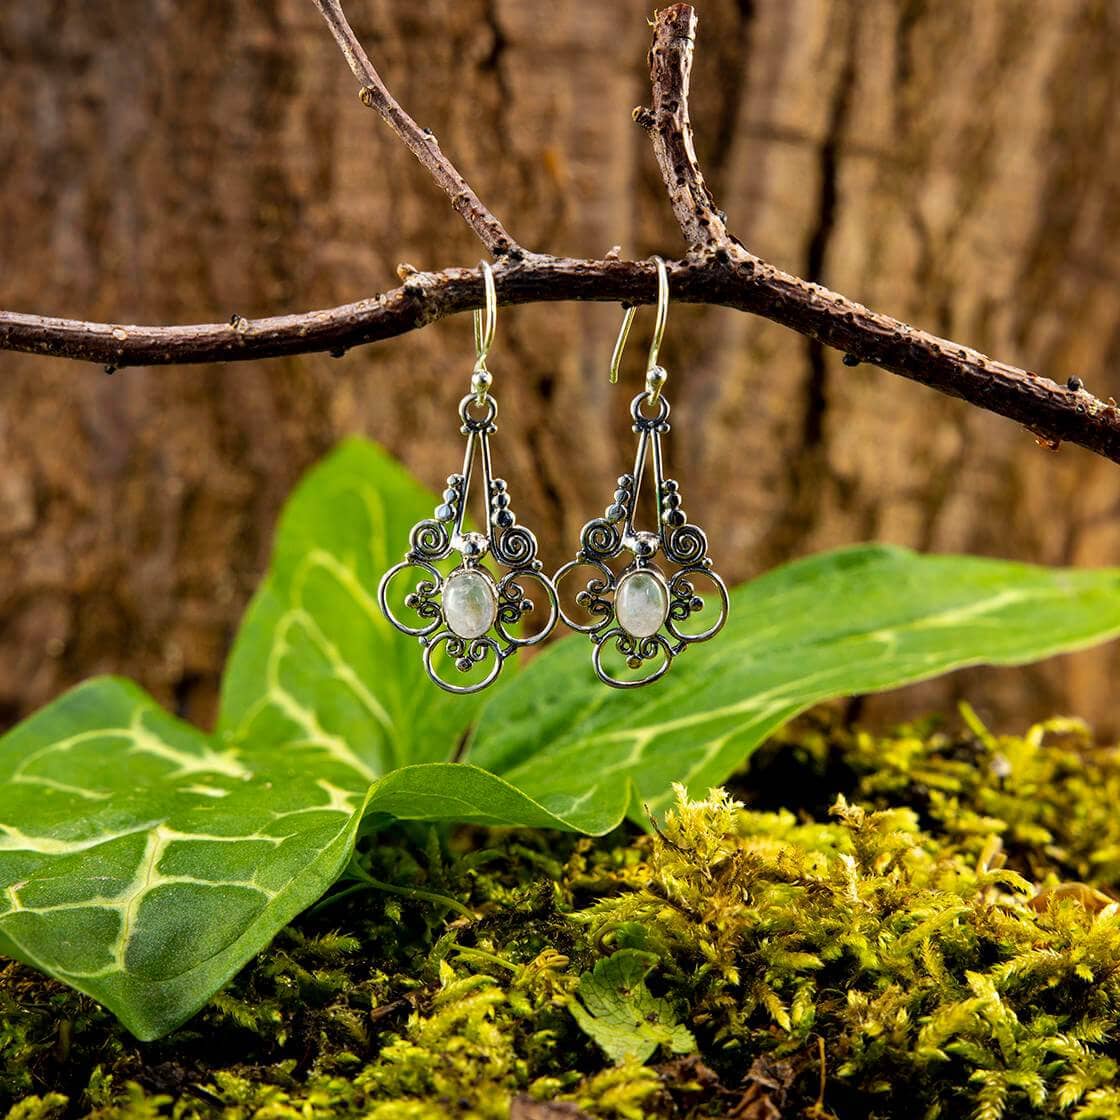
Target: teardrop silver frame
511, 545
676, 540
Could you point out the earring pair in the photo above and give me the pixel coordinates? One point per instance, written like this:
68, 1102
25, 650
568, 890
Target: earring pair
635, 612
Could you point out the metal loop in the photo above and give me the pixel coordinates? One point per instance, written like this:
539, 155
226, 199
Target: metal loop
485, 322
654, 391
659, 417
485, 422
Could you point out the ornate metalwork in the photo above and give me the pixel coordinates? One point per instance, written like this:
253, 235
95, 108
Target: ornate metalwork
665, 603
499, 604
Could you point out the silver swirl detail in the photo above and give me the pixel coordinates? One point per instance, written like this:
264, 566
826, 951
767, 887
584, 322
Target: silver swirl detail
429, 540
687, 545
600, 540
422, 600
597, 598
685, 602
515, 547
467, 653
513, 605
637, 651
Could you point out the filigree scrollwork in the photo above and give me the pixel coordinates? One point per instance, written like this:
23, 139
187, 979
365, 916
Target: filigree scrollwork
468, 616
685, 601
597, 596
423, 600
640, 613
511, 544
466, 654
514, 605
637, 651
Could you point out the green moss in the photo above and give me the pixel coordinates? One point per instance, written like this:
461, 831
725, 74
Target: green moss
919, 925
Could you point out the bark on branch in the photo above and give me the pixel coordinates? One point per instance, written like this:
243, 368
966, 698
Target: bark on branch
718, 270
670, 129
420, 141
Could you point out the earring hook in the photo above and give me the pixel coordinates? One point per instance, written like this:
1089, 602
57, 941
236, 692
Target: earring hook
654, 384
485, 324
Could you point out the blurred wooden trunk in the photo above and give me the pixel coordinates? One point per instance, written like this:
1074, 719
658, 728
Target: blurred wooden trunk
954, 163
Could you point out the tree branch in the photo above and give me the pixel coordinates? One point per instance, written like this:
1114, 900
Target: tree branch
719, 271
670, 72
420, 141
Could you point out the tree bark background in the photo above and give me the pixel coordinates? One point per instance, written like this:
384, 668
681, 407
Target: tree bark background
954, 163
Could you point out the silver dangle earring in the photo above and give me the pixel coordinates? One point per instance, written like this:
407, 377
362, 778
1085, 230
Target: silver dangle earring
643, 609
470, 611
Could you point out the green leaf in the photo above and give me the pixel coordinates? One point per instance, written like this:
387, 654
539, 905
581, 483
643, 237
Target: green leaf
465, 793
613, 1005
315, 660
143, 866
145, 862
856, 620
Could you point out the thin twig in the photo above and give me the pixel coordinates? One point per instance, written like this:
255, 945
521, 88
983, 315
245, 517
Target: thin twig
420, 141
670, 129
719, 271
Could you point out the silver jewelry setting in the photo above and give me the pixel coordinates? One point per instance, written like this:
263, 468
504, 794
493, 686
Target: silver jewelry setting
676, 543
670, 566
469, 612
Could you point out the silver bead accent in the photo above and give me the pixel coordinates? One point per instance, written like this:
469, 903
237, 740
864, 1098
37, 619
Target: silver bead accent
481, 380
655, 381
473, 546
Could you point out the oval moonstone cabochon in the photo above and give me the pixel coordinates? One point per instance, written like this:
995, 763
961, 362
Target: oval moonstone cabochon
469, 603
641, 604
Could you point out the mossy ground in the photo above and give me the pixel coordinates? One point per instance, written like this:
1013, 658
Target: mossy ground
920, 925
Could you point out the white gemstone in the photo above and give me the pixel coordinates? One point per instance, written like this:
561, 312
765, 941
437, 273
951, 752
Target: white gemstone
641, 604
469, 603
